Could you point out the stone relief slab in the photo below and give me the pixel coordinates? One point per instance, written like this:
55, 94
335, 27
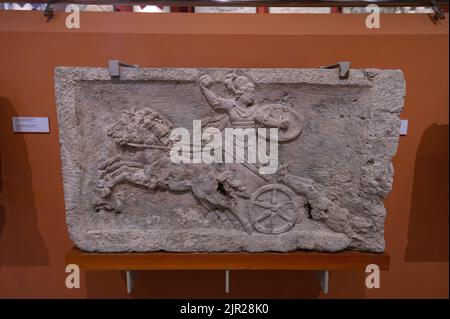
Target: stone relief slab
204, 9
123, 192
299, 10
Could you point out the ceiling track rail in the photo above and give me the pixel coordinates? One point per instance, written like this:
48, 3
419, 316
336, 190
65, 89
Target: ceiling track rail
256, 3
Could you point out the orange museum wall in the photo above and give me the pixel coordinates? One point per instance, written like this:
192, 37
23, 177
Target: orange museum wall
33, 235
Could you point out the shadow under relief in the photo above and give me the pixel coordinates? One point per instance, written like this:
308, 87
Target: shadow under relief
203, 284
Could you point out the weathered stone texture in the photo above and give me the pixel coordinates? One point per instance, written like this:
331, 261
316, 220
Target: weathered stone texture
123, 193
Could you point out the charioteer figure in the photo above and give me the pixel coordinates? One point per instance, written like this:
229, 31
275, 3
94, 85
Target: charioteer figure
241, 110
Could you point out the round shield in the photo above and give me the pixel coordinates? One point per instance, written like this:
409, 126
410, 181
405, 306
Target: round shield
283, 117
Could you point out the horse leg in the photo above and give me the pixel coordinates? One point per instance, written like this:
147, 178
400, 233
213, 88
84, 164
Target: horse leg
238, 210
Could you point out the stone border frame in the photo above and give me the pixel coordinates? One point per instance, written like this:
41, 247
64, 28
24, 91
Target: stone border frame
66, 79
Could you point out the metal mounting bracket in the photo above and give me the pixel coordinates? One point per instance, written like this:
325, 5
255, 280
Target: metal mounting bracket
49, 12
438, 14
130, 280
344, 68
114, 67
323, 276
227, 281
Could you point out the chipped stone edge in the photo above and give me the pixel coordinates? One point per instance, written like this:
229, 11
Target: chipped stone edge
66, 79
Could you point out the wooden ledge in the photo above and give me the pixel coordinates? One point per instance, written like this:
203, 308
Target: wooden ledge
298, 260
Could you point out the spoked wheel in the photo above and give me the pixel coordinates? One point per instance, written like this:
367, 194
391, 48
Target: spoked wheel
273, 209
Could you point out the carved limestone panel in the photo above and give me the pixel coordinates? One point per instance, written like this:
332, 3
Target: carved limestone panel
315, 179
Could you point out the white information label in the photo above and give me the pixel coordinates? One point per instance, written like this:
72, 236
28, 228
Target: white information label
403, 127
30, 125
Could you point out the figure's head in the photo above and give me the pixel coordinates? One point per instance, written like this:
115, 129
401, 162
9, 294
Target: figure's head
242, 87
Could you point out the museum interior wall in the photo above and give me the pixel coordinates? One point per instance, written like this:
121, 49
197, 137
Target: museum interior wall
33, 233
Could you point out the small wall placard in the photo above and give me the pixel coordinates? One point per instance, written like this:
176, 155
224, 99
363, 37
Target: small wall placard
403, 127
30, 124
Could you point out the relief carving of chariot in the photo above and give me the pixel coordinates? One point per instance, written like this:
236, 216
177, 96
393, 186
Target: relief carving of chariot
273, 208
127, 187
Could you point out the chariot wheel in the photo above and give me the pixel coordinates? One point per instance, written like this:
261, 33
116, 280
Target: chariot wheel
274, 209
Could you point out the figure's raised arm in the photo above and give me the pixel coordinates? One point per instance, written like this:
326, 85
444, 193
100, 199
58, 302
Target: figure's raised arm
217, 103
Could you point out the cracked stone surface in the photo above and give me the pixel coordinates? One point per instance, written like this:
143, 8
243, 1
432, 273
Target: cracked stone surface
123, 193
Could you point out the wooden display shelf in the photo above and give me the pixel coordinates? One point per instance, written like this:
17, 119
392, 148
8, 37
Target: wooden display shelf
298, 260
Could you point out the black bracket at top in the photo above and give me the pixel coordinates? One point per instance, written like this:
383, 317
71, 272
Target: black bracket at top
49, 12
438, 14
